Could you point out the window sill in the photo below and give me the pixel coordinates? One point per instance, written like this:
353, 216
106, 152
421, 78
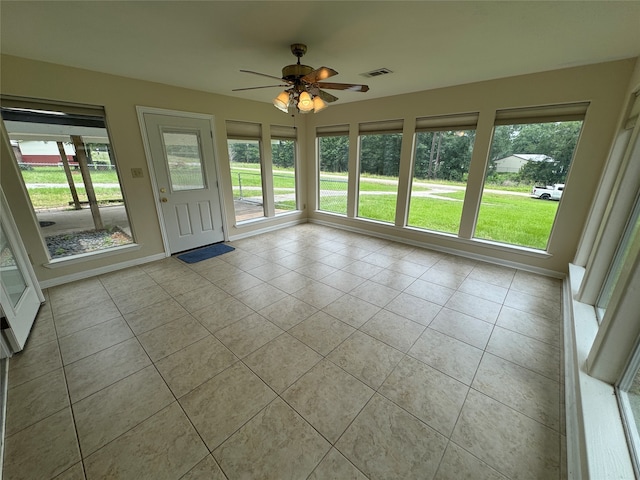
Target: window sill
502, 247
84, 257
596, 442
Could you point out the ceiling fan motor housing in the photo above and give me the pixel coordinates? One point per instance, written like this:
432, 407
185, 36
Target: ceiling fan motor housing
295, 72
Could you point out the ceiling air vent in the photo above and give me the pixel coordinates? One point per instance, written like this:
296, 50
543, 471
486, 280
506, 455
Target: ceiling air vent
376, 73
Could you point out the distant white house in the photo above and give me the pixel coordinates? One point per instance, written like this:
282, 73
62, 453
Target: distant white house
513, 163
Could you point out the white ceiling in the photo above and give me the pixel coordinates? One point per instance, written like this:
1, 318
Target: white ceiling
203, 44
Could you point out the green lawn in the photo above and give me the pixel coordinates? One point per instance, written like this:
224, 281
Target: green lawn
435, 214
516, 220
57, 175
503, 218
510, 219
52, 197
61, 197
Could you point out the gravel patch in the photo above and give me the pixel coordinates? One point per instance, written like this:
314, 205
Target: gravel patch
75, 243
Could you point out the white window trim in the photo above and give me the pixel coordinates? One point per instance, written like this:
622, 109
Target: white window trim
624, 403
618, 195
596, 443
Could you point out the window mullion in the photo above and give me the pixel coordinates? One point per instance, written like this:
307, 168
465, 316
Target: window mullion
354, 171
477, 169
267, 172
405, 172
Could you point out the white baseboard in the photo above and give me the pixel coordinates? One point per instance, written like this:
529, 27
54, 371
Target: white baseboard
270, 228
438, 248
99, 271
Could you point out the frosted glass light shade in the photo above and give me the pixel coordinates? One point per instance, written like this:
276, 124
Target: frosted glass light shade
319, 104
305, 104
281, 102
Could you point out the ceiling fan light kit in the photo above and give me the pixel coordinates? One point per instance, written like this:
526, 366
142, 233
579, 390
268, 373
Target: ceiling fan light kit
304, 93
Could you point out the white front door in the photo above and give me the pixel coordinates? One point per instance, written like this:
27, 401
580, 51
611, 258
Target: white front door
183, 163
20, 294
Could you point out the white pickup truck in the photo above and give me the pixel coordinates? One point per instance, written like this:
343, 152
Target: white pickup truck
550, 192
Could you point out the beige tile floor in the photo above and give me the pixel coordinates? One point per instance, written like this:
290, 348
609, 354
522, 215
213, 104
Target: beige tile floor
305, 353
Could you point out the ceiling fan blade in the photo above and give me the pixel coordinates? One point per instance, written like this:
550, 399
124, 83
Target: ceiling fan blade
354, 87
265, 75
319, 74
327, 97
255, 88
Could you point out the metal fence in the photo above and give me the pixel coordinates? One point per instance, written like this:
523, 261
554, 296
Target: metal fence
247, 187
73, 166
333, 195
250, 187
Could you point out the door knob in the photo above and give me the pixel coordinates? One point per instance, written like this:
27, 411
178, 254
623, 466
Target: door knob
163, 199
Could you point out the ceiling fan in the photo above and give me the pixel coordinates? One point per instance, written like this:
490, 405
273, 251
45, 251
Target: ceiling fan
304, 84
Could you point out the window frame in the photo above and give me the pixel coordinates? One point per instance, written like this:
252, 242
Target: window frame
386, 127
626, 412
248, 131
541, 114
88, 114
600, 356
286, 133
620, 257
440, 123
331, 131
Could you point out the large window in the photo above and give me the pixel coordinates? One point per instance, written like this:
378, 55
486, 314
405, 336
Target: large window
245, 156
283, 154
333, 164
380, 144
531, 153
442, 154
67, 164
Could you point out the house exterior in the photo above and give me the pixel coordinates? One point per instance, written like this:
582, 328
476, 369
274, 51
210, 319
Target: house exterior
513, 163
42, 153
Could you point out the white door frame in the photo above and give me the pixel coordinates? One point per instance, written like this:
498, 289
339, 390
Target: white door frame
20, 316
141, 110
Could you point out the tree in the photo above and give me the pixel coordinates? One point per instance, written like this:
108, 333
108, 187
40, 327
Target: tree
380, 154
542, 173
244, 151
334, 153
282, 153
443, 155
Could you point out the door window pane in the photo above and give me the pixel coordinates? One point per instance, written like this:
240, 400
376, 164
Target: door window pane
378, 182
184, 160
284, 175
333, 153
529, 163
441, 166
67, 164
12, 279
246, 178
